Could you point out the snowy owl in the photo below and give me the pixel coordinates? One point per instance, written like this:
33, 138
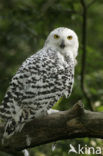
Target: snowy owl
41, 81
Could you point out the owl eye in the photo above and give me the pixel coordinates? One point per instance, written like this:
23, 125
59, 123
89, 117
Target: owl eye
56, 36
69, 37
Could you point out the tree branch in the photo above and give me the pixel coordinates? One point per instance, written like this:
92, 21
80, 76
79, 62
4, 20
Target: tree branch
84, 54
74, 123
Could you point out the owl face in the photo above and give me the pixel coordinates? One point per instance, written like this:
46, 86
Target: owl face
63, 40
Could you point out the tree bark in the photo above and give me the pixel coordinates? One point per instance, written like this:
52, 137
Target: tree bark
74, 123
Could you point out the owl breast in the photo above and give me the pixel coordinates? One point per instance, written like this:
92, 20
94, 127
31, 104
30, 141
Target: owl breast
55, 79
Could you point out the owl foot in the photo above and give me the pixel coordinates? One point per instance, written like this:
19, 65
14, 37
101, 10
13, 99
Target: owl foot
52, 111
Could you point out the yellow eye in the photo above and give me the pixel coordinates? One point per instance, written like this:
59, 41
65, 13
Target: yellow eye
69, 37
56, 36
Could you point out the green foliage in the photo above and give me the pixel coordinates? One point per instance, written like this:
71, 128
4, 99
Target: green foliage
24, 26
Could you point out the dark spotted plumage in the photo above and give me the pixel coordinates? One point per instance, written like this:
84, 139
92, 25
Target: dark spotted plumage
40, 82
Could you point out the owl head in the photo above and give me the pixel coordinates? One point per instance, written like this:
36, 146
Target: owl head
63, 40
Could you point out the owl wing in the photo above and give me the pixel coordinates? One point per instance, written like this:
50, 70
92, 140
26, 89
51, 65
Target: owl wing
12, 102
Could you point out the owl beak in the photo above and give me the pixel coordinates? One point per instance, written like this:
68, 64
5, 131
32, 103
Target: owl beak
62, 45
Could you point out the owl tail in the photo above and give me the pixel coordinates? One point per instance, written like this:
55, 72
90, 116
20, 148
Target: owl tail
10, 128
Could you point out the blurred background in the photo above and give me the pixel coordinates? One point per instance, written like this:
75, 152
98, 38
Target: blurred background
24, 26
